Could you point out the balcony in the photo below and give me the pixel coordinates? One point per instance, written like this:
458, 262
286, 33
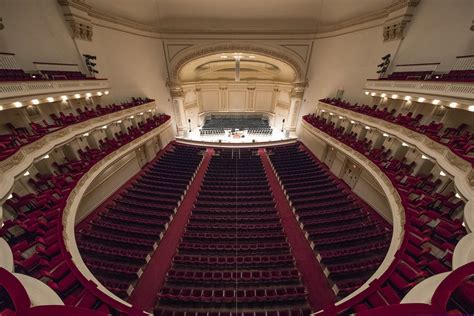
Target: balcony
18, 90
463, 92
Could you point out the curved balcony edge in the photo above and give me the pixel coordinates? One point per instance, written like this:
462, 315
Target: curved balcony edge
73, 201
390, 192
15, 165
459, 168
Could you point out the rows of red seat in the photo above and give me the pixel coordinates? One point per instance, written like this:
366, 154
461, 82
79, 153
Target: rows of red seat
431, 230
459, 139
454, 75
115, 243
233, 258
20, 136
35, 233
350, 241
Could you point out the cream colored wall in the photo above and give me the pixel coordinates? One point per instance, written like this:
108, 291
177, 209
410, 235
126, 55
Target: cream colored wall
35, 30
362, 183
107, 183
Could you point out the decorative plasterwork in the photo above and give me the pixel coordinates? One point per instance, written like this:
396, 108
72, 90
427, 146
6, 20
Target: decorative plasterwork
199, 50
459, 168
398, 19
76, 15
16, 164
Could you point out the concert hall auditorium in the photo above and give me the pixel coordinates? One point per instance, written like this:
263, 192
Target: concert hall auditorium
236, 158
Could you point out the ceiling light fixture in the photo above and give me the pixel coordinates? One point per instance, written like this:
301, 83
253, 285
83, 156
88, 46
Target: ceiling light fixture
442, 173
18, 104
471, 108
85, 134
394, 96
27, 173
435, 101
367, 92
341, 117
407, 98
385, 135
373, 94
9, 196
88, 95
424, 157
352, 122
1, 107
35, 101
46, 156
421, 99
77, 96
453, 105
458, 195
99, 94
106, 92
63, 97
404, 144
367, 127
50, 99
383, 95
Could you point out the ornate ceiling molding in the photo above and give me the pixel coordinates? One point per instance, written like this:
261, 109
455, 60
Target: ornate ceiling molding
378, 15
197, 51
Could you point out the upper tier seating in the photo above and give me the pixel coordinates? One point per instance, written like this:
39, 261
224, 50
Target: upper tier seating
459, 139
233, 258
35, 232
20, 136
432, 227
453, 75
350, 240
235, 122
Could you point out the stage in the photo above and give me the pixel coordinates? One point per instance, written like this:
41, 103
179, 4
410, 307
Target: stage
236, 137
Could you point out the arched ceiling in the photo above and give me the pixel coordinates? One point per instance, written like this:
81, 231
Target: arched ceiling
221, 66
238, 16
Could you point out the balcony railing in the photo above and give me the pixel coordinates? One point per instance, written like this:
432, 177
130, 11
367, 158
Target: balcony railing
448, 89
20, 89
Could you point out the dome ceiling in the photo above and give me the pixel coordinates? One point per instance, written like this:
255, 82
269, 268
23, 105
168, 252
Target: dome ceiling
222, 67
239, 16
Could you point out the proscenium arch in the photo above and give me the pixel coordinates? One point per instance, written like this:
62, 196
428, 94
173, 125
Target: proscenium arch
272, 51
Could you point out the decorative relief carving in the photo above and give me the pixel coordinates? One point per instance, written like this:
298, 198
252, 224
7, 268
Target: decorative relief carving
81, 30
177, 92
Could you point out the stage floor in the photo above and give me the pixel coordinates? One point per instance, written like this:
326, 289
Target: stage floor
194, 135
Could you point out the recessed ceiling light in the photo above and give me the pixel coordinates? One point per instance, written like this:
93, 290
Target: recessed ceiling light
63, 97
424, 157
408, 98
104, 127
383, 95
442, 173
385, 135
323, 111
421, 99
394, 96
435, 101
119, 121
330, 113
46, 156
77, 96
373, 94
471, 108
367, 127
404, 144
367, 92
141, 113
458, 195
341, 117
17, 104
106, 92
1, 107
453, 105
88, 95
352, 122
35, 101
99, 93
10, 196
27, 173
131, 116
85, 134
50, 99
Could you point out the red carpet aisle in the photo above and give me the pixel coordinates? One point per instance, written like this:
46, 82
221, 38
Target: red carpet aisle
153, 278
319, 292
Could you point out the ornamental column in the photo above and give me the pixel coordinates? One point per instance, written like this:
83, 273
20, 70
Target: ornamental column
296, 98
177, 95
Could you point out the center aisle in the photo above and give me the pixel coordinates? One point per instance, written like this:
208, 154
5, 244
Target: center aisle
144, 295
320, 294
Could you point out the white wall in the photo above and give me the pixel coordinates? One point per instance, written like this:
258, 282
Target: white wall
35, 30
439, 32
